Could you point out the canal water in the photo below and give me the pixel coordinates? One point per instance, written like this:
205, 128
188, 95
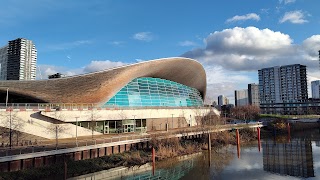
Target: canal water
281, 157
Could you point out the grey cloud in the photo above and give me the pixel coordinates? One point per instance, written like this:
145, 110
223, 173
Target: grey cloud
312, 45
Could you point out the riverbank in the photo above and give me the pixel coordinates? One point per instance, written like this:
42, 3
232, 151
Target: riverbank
76, 168
144, 171
285, 126
165, 148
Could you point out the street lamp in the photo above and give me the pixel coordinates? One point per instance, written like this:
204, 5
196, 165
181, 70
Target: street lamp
134, 119
167, 125
77, 130
7, 97
10, 130
172, 119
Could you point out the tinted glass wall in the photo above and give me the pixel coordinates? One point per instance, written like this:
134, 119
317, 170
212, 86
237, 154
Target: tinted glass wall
147, 91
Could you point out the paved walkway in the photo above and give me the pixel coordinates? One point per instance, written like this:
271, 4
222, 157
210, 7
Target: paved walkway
110, 139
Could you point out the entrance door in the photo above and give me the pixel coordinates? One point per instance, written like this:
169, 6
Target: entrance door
106, 127
106, 130
128, 128
125, 128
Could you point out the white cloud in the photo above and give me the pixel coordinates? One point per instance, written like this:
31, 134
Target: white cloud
232, 57
223, 82
139, 60
187, 43
102, 65
287, 1
117, 43
252, 38
250, 16
264, 11
312, 76
143, 36
49, 71
245, 49
44, 70
295, 17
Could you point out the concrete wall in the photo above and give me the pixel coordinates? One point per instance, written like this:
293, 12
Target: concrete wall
118, 114
156, 118
37, 123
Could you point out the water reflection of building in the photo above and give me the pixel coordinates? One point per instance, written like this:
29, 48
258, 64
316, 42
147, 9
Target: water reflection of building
172, 173
294, 158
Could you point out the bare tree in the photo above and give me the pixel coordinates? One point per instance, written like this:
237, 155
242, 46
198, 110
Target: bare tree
13, 125
205, 120
179, 122
181, 119
245, 112
93, 120
210, 118
57, 128
198, 115
123, 116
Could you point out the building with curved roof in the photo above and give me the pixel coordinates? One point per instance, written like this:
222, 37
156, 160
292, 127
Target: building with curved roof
137, 97
99, 87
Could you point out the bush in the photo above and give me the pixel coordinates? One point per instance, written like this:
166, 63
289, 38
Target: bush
278, 124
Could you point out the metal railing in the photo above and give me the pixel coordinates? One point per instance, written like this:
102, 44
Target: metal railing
79, 106
41, 146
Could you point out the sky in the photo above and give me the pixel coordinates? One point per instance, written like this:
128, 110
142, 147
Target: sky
232, 40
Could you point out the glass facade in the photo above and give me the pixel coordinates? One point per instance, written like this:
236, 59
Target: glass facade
147, 91
115, 126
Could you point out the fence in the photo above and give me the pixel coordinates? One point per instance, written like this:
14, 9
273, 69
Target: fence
78, 106
46, 146
41, 146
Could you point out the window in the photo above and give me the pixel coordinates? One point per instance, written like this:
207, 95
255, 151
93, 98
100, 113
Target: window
147, 91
